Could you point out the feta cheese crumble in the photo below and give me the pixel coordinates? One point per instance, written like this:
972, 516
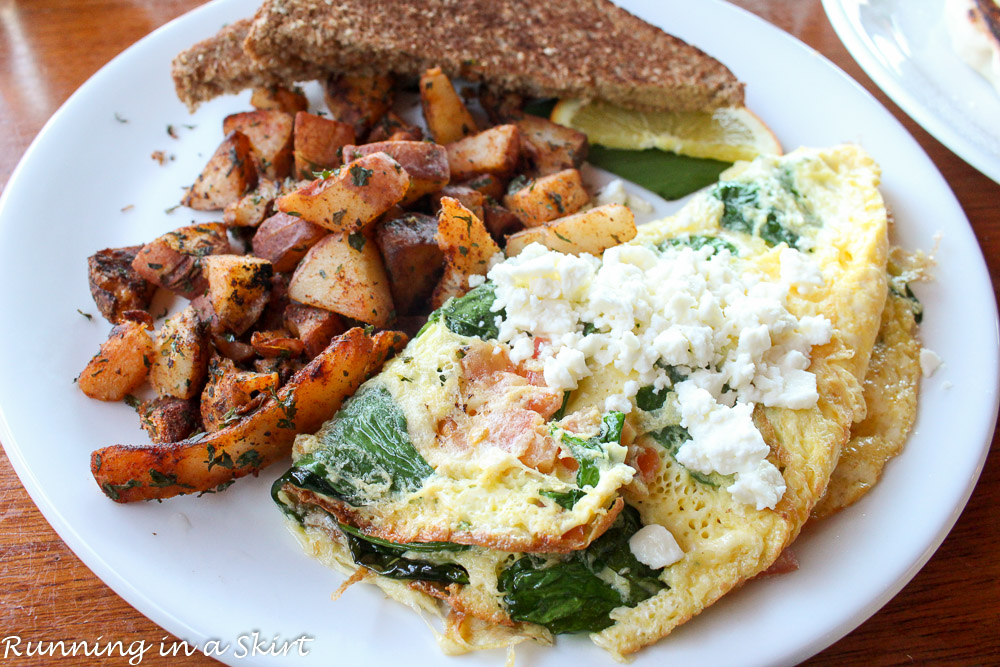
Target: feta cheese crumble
929, 362
677, 312
655, 546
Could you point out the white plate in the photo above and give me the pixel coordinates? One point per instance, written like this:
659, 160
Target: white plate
904, 47
222, 566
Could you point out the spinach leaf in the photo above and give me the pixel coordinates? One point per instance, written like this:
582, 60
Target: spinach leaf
736, 197
671, 438
365, 452
565, 498
409, 546
699, 241
383, 558
649, 399
587, 453
773, 233
906, 293
571, 595
669, 175
470, 315
561, 412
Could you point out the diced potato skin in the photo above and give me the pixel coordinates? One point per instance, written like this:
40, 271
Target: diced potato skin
474, 200
500, 222
270, 135
488, 184
548, 197
318, 142
285, 239
467, 248
229, 174
232, 348
115, 285
385, 344
412, 257
591, 232
238, 288
551, 147
426, 164
257, 205
493, 151
174, 260
228, 394
447, 117
309, 398
169, 419
121, 365
273, 316
358, 100
315, 327
276, 344
501, 107
180, 356
391, 127
343, 273
351, 197
279, 98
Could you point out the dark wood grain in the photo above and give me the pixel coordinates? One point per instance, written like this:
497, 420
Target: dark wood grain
948, 614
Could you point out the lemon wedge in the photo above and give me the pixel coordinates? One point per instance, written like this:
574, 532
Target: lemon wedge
727, 134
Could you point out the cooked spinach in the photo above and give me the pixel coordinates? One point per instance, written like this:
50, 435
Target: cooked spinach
649, 399
365, 452
572, 595
470, 315
735, 198
906, 293
409, 546
671, 438
699, 241
587, 453
561, 412
387, 560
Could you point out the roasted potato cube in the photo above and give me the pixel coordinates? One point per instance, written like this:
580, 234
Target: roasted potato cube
270, 135
591, 232
343, 273
211, 462
551, 147
238, 288
252, 208
412, 257
474, 200
351, 197
391, 127
180, 356
284, 367
121, 365
385, 344
318, 143
426, 164
284, 239
279, 98
115, 285
500, 222
229, 393
488, 184
467, 247
315, 327
546, 198
280, 344
273, 316
174, 260
169, 419
358, 100
501, 106
229, 174
493, 151
232, 348
447, 118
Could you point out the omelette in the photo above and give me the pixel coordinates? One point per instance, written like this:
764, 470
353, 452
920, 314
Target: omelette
607, 445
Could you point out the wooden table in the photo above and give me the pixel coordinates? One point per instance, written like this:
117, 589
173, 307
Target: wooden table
950, 612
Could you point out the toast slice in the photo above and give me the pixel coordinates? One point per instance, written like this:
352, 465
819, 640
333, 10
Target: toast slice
578, 48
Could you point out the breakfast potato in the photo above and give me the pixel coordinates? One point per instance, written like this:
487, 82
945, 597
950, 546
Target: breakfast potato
467, 247
546, 198
391, 127
115, 285
500, 222
591, 232
493, 151
229, 174
169, 419
474, 200
279, 98
315, 327
318, 142
230, 392
174, 260
180, 355
251, 209
446, 116
284, 239
412, 257
385, 344
358, 100
238, 289
551, 147
501, 106
352, 196
488, 184
425, 162
343, 273
121, 365
210, 463
276, 344
270, 135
